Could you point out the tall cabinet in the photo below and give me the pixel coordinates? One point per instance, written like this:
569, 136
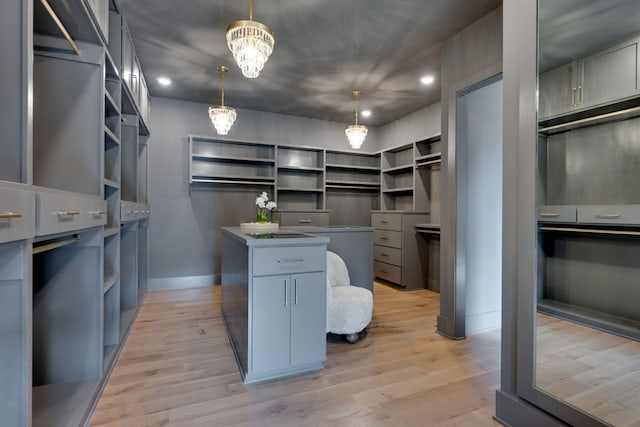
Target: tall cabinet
61, 183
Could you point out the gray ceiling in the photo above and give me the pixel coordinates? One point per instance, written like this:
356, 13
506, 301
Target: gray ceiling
324, 49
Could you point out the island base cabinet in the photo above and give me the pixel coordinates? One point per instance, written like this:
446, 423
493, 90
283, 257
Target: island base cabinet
289, 321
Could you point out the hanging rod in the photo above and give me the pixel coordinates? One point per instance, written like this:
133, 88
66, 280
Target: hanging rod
61, 27
430, 162
591, 119
230, 181
55, 245
592, 231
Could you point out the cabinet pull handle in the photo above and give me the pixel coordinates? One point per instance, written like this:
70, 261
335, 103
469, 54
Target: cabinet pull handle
384, 238
304, 221
10, 215
285, 260
97, 213
384, 255
608, 215
384, 222
295, 291
286, 294
384, 271
573, 97
549, 215
579, 95
68, 213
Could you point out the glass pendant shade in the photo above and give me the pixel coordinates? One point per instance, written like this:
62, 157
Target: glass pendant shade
251, 44
222, 118
356, 133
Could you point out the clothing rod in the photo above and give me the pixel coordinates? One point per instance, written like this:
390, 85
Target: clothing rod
230, 181
591, 119
54, 245
60, 25
431, 162
592, 231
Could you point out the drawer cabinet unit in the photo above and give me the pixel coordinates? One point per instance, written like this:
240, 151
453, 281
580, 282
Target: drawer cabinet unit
59, 212
609, 214
17, 214
548, 213
274, 302
397, 248
302, 218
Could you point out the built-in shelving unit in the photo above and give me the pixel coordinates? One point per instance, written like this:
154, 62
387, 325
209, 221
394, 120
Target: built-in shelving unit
589, 207
300, 178
62, 178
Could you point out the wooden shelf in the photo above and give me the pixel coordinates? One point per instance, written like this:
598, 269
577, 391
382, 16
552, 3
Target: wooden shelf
112, 184
398, 190
63, 404
372, 169
215, 158
109, 281
110, 136
399, 169
301, 168
300, 190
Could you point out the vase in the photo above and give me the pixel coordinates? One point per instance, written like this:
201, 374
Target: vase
262, 215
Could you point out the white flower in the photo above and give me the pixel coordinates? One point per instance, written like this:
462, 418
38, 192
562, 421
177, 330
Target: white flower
271, 205
262, 201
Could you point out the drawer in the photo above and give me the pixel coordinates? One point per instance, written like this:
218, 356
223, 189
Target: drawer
388, 255
550, 213
62, 212
387, 238
386, 221
17, 214
289, 259
609, 214
388, 272
320, 219
131, 211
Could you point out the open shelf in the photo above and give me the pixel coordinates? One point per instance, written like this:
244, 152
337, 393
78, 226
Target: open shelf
63, 404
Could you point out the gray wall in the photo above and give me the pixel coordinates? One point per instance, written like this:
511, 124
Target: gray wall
414, 127
469, 57
184, 227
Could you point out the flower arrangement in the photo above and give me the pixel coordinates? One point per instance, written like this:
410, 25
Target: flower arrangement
264, 206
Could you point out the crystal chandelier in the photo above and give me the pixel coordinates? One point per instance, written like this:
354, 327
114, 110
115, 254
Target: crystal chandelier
251, 43
222, 117
356, 133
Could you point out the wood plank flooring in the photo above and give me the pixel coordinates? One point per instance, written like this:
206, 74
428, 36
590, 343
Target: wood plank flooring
177, 369
593, 370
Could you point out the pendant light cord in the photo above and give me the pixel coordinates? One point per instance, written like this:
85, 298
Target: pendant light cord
250, 10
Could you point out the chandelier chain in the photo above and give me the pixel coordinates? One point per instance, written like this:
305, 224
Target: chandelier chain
250, 10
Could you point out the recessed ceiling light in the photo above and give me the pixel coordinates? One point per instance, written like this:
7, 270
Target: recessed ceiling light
427, 80
366, 113
164, 81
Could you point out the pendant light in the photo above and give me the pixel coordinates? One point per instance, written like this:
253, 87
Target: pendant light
356, 133
221, 116
251, 44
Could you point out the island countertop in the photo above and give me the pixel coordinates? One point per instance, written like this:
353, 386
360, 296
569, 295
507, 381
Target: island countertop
282, 237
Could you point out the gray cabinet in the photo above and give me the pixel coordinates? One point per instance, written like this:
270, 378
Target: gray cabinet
601, 78
303, 218
287, 320
398, 248
274, 302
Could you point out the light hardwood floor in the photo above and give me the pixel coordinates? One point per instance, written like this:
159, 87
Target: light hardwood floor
177, 368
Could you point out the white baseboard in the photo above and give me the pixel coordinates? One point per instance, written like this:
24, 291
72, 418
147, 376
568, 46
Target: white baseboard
482, 322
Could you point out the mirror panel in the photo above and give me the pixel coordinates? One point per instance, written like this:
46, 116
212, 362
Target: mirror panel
588, 316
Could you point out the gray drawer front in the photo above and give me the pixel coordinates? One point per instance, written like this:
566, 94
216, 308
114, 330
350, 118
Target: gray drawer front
388, 255
614, 214
59, 213
304, 218
387, 238
284, 260
388, 272
130, 211
386, 221
557, 214
17, 215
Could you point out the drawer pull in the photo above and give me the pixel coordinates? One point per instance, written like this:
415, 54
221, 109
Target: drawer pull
384, 222
549, 215
10, 215
295, 291
286, 294
608, 216
68, 213
384, 255
384, 272
289, 260
304, 221
384, 238
98, 213
147, 211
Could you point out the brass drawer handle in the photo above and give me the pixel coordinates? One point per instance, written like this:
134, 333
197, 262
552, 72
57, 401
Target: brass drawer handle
549, 215
67, 213
304, 221
10, 215
608, 216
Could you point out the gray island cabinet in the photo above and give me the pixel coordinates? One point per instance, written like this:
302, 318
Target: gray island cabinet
274, 301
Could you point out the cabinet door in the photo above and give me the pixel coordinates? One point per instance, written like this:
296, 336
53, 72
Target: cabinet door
270, 317
308, 318
556, 91
127, 58
610, 75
